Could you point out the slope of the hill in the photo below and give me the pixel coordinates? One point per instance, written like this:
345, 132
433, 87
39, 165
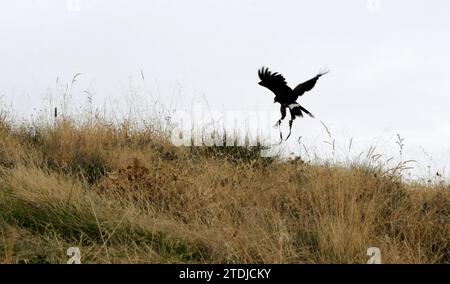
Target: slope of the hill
125, 196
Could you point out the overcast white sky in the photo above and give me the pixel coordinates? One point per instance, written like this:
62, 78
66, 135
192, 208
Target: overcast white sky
389, 66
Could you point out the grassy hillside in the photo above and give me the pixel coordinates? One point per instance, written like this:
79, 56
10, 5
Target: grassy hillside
125, 196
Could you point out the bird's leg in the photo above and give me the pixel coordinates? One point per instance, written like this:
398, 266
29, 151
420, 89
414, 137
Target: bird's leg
290, 129
277, 124
283, 115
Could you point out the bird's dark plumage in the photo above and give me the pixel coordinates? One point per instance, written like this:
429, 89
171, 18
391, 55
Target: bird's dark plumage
286, 96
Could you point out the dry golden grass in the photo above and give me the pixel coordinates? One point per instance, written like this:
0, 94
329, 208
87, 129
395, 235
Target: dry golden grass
129, 196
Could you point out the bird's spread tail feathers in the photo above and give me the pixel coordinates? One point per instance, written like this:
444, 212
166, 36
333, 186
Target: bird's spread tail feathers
297, 110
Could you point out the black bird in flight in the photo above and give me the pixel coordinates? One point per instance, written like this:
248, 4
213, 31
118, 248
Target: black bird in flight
286, 96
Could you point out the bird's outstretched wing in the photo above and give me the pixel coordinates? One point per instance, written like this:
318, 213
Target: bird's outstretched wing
274, 82
307, 86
